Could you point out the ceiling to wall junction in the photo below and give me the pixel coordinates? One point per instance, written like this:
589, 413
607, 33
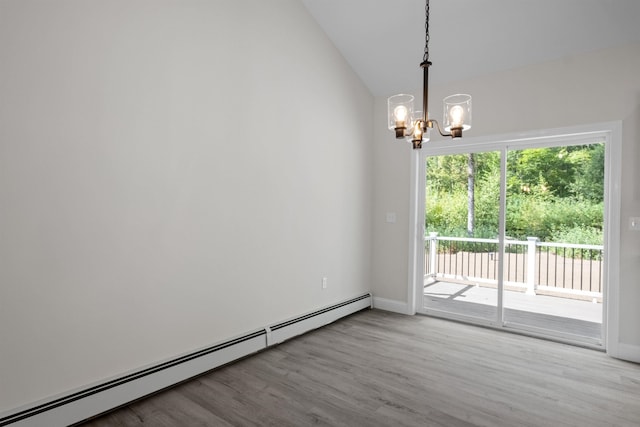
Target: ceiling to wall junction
383, 40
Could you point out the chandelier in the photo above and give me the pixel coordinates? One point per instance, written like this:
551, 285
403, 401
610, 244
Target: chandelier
415, 125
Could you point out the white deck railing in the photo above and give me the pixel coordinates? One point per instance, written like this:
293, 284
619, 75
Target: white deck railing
531, 265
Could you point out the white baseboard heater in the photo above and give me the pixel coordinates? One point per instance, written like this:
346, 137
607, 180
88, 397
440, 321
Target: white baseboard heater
88, 402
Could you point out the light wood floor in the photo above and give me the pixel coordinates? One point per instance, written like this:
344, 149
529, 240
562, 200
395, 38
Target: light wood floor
382, 369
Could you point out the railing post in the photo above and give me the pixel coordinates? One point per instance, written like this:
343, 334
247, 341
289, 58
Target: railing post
531, 265
433, 253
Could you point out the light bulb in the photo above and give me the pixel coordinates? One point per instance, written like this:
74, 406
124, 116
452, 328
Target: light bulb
457, 114
417, 130
400, 113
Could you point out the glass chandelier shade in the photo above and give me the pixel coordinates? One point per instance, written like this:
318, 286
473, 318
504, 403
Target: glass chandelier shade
420, 130
400, 108
457, 112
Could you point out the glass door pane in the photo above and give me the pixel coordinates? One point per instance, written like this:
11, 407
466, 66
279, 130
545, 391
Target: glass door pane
461, 241
553, 265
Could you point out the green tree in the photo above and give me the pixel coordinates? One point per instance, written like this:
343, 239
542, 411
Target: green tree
543, 169
589, 179
551, 192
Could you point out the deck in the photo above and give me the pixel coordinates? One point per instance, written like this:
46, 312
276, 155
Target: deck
564, 315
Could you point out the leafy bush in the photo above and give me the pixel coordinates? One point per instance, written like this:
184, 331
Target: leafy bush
570, 213
555, 194
582, 235
446, 211
526, 217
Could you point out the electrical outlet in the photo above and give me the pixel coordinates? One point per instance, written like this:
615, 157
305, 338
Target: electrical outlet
324, 283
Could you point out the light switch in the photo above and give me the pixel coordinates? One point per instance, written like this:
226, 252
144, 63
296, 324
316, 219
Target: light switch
634, 223
391, 217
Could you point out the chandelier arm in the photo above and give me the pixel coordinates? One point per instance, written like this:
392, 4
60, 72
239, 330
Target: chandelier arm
404, 132
430, 124
409, 132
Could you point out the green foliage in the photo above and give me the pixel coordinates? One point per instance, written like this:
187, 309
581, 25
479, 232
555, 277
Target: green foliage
548, 169
589, 179
447, 211
487, 195
528, 216
446, 204
447, 174
573, 171
581, 234
555, 194
570, 213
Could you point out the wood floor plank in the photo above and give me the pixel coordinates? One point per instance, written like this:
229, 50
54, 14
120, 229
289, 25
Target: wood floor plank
382, 369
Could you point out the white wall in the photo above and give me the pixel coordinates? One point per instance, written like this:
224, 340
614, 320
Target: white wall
597, 87
172, 173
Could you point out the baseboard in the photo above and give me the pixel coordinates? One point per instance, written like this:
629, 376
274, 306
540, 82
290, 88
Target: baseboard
390, 305
74, 407
299, 325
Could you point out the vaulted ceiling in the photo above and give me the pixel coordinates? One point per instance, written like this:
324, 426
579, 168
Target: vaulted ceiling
383, 40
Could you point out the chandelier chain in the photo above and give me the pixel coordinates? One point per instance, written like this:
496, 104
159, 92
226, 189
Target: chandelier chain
425, 58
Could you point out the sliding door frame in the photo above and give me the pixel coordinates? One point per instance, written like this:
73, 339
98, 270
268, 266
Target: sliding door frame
610, 132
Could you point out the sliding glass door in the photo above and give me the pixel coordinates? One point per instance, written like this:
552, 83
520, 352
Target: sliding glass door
515, 236
461, 242
553, 279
